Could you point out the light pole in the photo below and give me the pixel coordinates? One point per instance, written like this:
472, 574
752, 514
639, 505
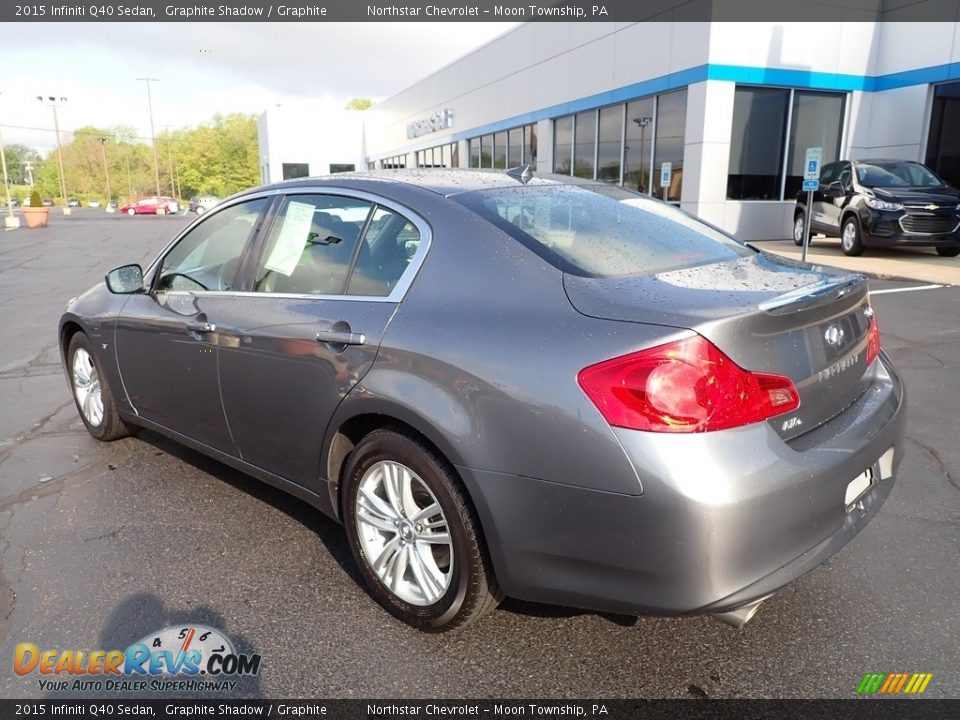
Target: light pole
52, 102
642, 123
12, 221
153, 134
106, 170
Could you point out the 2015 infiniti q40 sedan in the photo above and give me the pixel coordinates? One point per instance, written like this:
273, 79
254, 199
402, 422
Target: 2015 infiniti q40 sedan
501, 384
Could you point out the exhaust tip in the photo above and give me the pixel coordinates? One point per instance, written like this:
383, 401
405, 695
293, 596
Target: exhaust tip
741, 615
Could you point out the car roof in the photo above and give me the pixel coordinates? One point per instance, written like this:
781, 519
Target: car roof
442, 181
876, 161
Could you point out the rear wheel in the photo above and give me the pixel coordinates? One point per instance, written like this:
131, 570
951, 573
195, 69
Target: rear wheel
92, 393
850, 240
948, 252
414, 534
798, 223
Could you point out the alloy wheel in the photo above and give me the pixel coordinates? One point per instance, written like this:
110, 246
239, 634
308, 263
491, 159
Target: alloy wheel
86, 387
849, 236
404, 533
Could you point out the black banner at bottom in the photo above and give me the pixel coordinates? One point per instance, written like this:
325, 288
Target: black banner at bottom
859, 709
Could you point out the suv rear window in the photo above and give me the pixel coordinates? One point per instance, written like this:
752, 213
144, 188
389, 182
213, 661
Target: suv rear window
602, 231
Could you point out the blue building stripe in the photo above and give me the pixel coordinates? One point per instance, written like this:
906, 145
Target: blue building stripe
777, 77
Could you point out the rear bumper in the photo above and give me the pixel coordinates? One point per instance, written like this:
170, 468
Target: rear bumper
725, 518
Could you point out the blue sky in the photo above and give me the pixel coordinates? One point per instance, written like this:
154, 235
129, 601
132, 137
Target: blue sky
206, 68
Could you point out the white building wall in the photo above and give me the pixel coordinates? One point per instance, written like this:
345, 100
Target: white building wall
312, 134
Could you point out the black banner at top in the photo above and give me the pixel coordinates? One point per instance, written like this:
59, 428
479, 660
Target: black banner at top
478, 10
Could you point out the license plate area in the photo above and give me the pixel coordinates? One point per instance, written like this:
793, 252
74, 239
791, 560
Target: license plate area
857, 487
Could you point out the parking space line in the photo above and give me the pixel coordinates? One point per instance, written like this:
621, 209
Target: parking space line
909, 289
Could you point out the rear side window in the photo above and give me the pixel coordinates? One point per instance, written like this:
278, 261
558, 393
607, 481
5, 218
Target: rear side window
603, 231
385, 252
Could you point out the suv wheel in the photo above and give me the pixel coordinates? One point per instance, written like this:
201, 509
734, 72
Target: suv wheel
948, 252
414, 534
798, 229
850, 241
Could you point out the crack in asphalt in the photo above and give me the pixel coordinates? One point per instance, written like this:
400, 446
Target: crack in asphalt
22, 368
941, 465
35, 431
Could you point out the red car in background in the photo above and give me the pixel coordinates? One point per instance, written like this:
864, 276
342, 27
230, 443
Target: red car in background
150, 206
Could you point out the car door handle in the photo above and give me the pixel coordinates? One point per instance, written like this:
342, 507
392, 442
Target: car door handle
201, 327
340, 337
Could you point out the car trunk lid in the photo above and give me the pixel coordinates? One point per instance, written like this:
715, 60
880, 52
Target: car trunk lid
768, 314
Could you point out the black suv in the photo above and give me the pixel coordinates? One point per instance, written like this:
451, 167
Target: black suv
880, 203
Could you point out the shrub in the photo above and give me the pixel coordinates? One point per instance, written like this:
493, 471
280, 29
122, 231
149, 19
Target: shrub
35, 200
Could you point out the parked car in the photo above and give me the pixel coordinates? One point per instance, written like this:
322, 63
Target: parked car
14, 203
150, 206
93, 203
201, 203
883, 203
47, 202
73, 202
550, 388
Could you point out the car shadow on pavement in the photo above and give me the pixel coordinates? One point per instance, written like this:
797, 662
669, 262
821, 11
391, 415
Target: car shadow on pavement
331, 533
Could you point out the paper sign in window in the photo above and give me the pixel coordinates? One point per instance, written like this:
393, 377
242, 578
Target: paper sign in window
291, 239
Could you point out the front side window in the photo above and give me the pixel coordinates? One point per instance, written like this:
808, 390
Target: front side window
207, 258
311, 245
602, 232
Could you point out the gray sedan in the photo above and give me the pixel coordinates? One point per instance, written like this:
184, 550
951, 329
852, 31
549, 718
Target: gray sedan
502, 384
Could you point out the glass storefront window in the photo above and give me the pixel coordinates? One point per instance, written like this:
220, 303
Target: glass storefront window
514, 147
500, 150
563, 145
756, 145
530, 145
475, 152
486, 151
585, 132
610, 141
639, 144
943, 147
669, 142
817, 121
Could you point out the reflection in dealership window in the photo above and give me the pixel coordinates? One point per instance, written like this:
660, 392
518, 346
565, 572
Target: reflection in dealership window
761, 116
943, 148
530, 145
610, 139
639, 144
584, 144
563, 145
669, 144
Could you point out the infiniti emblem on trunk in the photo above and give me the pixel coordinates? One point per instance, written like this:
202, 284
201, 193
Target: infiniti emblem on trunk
833, 335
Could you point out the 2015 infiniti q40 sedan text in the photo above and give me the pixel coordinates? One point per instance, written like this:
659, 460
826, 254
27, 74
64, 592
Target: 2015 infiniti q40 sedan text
502, 384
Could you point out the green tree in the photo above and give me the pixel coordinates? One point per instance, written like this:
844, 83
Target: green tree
18, 156
359, 103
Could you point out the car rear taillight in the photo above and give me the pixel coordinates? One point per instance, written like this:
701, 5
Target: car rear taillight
873, 340
684, 386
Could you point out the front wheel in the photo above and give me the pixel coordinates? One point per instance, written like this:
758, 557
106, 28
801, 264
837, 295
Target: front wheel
948, 252
850, 239
92, 393
131, 212
414, 534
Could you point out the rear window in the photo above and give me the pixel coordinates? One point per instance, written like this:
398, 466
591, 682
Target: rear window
602, 231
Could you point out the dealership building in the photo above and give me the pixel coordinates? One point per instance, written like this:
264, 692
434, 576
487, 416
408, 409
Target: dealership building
713, 116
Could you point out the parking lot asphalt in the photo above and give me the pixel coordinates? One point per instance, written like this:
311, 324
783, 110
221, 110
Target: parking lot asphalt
104, 543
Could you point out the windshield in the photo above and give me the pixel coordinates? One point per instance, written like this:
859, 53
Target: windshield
602, 231
897, 174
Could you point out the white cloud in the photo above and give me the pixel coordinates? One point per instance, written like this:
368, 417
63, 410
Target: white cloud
205, 68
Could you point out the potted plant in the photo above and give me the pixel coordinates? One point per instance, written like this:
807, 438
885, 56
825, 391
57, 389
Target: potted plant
36, 215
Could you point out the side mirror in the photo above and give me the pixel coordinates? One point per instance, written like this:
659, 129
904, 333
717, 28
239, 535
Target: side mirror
834, 190
125, 280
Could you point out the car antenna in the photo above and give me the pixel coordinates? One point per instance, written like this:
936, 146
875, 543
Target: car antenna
523, 173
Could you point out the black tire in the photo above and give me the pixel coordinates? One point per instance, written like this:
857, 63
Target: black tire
851, 237
798, 232
110, 427
948, 252
472, 590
